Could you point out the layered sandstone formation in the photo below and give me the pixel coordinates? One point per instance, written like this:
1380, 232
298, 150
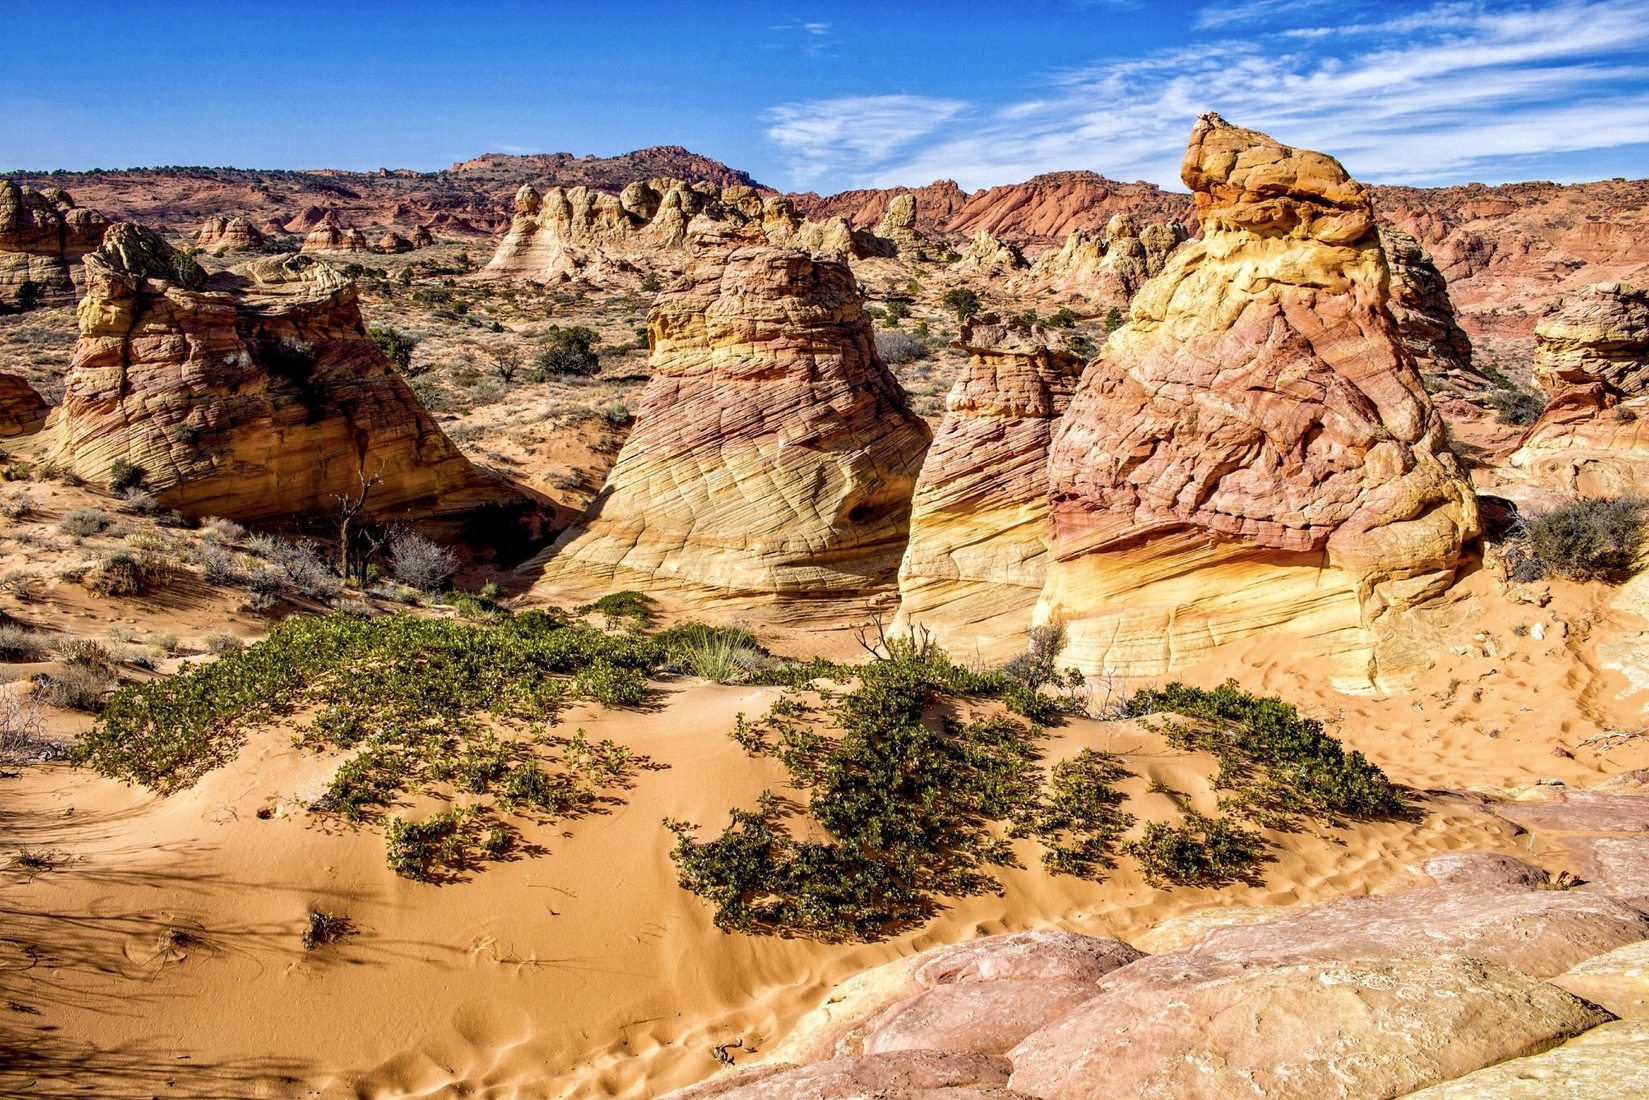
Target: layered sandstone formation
1600, 335
1109, 268
976, 559
42, 235
325, 237
1426, 324
22, 410
1592, 358
391, 243
220, 234
1254, 451
986, 255
773, 455
257, 396
651, 227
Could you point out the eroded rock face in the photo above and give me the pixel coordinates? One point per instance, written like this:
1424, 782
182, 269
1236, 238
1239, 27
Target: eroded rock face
1600, 335
1587, 443
1253, 451
1426, 324
325, 237
773, 455
220, 234
1310, 1031
976, 561
42, 235
255, 396
1109, 268
22, 410
651, 226
987, 255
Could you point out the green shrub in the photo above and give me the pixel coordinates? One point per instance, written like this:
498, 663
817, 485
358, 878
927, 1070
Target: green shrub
1064, 317
963, 302
1277, 764
623, 608
720, 654
1078, 818
121, 573
124, 475
1600, 539
415, 849
19, 643
567, 351
1202, 852
396, 345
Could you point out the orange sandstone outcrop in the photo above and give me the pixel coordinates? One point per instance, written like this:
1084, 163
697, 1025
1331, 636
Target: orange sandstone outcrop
1592, 357
1254, 450
1426, 324
975, 564
986, 255
651, 226
255, 395
1110, 267
898, 228
42, 235
773, 454
1600, 335
220, 234
22, 410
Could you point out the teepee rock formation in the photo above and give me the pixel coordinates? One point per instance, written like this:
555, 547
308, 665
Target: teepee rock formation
1426, 323
256, 395
1254, 450
975, 563
773, 455
1592, 358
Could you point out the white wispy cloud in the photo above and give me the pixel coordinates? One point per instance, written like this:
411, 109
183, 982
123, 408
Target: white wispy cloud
1426, 95
816, 137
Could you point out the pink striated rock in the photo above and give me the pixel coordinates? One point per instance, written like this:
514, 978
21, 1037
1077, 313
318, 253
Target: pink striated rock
1254, 450
1310, 1031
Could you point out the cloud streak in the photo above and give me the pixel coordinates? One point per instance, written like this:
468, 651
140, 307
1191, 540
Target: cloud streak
1433, 95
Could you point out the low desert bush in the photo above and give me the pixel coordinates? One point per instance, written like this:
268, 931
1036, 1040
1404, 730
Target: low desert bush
218, 564
896, 347
1201, 852
83, 522
1598, 539
20, 643
627, 608
222, 643
722, 655
124, 475
121, 573
221, 530
324, 928
422, 563
76, 687
567, 351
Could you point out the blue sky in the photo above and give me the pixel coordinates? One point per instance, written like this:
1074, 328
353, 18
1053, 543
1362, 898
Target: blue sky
826, 96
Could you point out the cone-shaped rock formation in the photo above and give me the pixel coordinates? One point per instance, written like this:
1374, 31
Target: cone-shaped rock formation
256, 396
773, 453
1254, 450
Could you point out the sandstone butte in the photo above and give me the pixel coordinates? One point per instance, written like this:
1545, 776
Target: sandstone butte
219, 234
773, 455
1592, 359
607, 239
1253, 451
256, 395
42, 235
975, 563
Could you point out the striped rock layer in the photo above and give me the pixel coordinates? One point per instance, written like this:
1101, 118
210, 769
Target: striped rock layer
256, 395
976, 560
1254, 450
773, 456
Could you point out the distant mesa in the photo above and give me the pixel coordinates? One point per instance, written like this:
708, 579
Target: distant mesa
773, 455
255, 395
